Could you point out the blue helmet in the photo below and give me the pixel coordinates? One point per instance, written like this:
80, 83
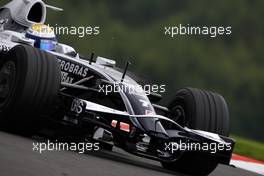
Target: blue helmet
44, 37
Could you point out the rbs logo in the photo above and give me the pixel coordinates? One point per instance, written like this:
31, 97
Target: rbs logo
77, 106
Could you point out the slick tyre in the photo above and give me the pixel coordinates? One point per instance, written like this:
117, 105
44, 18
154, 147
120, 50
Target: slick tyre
29, 85
202, 110
105, 146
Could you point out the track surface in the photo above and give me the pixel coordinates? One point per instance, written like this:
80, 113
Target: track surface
17, 158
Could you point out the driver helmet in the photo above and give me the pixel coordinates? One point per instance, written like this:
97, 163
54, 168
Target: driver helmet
43, 36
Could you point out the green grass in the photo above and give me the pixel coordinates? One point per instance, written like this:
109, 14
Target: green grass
249, 148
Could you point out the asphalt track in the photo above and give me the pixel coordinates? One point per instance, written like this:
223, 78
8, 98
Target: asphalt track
17, 158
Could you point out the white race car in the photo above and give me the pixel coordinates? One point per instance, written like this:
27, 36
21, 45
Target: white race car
42, 79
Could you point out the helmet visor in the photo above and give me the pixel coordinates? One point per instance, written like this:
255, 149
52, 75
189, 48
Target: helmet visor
47, 45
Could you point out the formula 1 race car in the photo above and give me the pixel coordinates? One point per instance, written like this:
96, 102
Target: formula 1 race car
41, 78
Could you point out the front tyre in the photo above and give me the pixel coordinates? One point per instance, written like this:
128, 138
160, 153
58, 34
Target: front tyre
202, 110
29, 84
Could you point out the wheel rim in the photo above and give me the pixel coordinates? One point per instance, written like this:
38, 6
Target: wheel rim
178, 115
7, 79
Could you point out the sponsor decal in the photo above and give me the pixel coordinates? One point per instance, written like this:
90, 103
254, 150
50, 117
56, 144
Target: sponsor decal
69, 70
66, 78
78, 106
73, 68
4, 48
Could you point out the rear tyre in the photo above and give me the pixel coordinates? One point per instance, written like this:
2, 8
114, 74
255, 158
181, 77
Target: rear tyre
29, 84
202, 110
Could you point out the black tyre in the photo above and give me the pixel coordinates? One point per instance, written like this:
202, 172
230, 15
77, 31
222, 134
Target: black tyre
202, 110
106, 146
1, 54
29, 84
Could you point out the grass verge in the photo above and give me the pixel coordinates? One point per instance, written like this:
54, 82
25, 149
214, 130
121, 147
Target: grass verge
249, 148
